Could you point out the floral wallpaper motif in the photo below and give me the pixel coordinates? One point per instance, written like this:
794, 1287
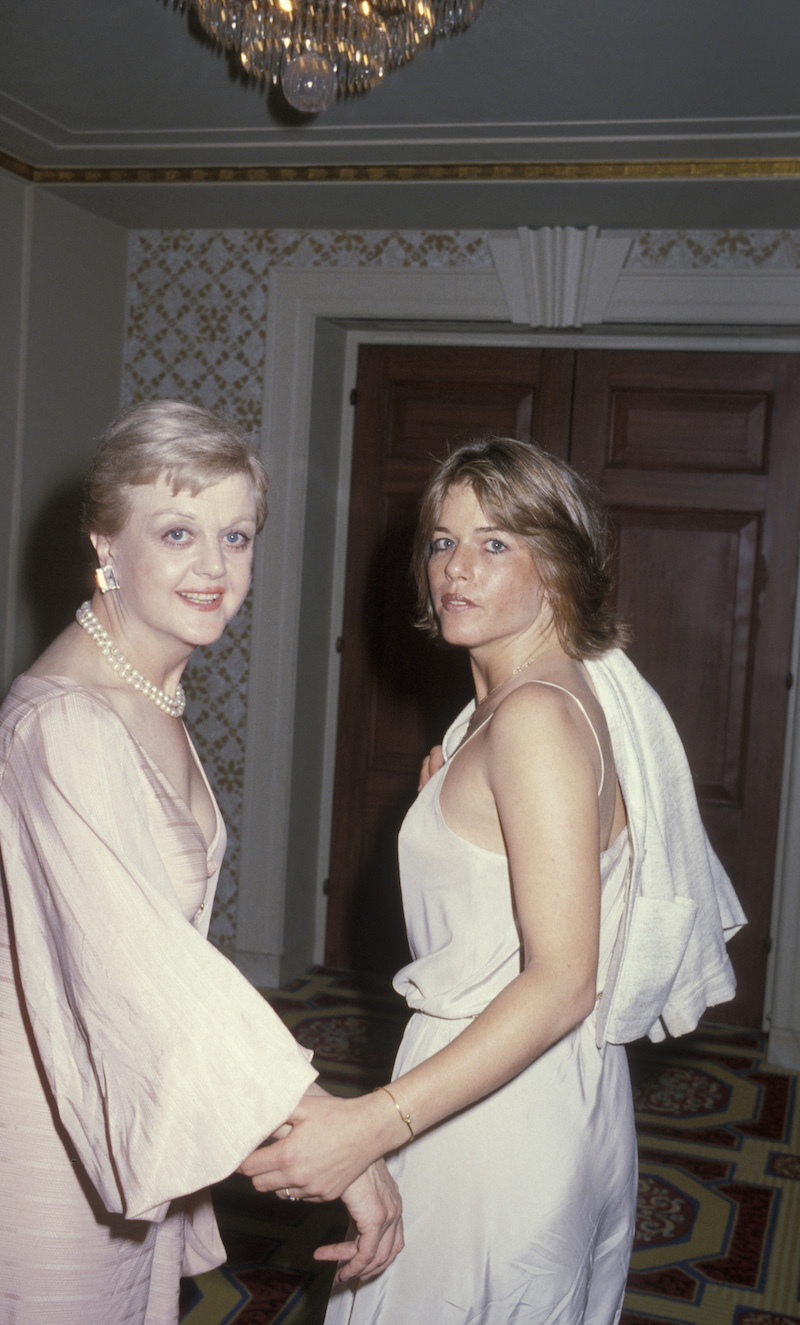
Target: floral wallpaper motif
196, 326
734, 250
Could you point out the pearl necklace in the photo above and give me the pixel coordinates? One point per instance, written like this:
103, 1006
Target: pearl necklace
171, 704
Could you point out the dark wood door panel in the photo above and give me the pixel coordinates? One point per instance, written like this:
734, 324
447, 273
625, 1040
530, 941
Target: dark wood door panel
694, 630
424, 412
698, 456
671, 491
709, 430
433, 396
406, 710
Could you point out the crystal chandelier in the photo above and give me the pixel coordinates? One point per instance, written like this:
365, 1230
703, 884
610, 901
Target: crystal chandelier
319, 47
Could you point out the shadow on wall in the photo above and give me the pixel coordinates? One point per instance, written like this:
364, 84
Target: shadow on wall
57, 567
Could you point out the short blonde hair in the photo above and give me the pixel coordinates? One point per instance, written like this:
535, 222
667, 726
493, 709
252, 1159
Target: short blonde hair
556, 512
186, 444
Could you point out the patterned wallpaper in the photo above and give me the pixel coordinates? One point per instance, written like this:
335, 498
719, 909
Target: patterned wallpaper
196, 322
734, 250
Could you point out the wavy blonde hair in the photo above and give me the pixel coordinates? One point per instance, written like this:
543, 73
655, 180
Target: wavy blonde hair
557, 513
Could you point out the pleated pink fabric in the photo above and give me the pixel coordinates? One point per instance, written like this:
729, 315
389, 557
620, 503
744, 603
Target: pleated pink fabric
138, 1065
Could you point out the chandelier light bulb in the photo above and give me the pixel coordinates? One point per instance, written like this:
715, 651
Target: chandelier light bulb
309, 82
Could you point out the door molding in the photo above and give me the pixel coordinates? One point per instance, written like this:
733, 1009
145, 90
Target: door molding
560, 276
448, 306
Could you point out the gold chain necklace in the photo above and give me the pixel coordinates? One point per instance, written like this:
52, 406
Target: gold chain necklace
171, 704
505, 681
533, 658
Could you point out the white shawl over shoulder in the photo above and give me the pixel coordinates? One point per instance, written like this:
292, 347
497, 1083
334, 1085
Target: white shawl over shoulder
669, 962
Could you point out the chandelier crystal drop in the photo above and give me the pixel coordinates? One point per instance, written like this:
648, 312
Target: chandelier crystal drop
318, 47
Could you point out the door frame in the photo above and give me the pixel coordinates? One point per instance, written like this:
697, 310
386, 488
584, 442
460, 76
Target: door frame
316, 321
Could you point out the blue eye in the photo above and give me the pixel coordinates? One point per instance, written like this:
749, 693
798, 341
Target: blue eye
237, 539
441, 544
496, 545
177, 536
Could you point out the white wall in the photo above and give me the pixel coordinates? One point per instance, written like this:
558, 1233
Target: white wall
14, 201
62, 295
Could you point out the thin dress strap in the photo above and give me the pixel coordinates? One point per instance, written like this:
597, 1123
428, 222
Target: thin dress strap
532, 681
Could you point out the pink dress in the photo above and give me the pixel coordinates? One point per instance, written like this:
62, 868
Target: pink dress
138, 1064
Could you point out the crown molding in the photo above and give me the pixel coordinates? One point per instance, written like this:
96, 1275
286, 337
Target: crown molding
428, 173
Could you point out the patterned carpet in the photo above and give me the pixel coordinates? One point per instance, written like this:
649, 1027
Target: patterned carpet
718, 1229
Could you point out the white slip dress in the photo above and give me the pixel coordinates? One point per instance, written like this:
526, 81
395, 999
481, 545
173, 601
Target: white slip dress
521, 1208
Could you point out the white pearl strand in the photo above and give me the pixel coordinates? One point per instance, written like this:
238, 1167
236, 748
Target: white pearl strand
171, 704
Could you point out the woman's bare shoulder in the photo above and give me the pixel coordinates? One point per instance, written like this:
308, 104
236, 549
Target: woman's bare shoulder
73, 659
66, 657
540, 720
564, 694
534, 702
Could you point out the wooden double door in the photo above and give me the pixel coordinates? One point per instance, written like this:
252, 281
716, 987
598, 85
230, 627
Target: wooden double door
698, 456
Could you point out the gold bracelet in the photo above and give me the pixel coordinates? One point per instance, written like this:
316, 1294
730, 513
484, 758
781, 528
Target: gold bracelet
406, 1117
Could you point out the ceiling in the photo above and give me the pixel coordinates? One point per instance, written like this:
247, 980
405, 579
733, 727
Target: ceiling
620, 112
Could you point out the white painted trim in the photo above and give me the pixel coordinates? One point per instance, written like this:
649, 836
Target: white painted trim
784, 1049
558, 276
406, 306
726, 298
782, 1011
354, 339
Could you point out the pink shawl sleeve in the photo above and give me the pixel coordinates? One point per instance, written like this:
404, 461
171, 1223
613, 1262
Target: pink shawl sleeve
166, 1066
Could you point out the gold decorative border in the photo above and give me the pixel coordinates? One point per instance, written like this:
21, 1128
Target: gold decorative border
472, 172
15, 166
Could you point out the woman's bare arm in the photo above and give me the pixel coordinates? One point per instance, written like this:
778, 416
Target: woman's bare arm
375, 1236
539, 769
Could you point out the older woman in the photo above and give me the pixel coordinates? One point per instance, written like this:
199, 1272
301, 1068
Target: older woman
138, 1064
529, 908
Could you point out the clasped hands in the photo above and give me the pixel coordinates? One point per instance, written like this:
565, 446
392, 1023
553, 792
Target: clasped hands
326, 1152
332, 1148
